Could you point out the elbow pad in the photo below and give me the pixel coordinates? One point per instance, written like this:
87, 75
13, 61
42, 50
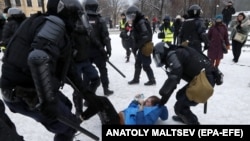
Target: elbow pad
168, 88
38, 61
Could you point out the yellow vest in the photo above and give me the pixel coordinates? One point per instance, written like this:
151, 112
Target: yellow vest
169, 36
122, 24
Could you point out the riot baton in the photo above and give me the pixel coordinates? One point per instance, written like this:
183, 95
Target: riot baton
205, 108
77, 127
116, 68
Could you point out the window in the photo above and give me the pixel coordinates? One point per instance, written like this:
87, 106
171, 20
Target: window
40, 3
29, 3
18, 2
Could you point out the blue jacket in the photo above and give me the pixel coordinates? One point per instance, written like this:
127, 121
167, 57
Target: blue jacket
148, 116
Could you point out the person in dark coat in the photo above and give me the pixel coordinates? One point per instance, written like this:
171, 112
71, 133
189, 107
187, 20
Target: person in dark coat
15, 18
143, 40
177, 26
183, 63
218, 35
227, 12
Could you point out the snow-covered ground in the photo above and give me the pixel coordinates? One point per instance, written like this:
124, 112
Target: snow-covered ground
228, 105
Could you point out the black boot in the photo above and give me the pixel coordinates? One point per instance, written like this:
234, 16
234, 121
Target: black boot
133, 82
150, 82
136, 76
107, 92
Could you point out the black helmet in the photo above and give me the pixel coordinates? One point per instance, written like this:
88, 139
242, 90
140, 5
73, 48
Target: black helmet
91, 6
159, 52
65, 9
166, 19
194, 10
132, 12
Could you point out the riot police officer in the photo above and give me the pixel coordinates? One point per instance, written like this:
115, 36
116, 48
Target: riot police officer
35, 66
99, 53
193, 29
183, 63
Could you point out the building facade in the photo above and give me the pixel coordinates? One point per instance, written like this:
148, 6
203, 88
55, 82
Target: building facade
29, 7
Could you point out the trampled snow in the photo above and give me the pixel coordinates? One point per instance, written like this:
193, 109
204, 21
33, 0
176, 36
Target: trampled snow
228, 105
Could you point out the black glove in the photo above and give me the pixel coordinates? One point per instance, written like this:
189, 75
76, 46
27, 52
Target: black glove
50, 110
163, 100
108, 52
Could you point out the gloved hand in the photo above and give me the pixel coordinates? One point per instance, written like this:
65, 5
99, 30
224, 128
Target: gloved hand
228, 47
108, 53
50, 110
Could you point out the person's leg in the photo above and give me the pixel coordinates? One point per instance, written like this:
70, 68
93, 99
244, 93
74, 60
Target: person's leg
217, 63
234, 49
238, 47
7, 127
91, 74
100, 62
61, 131
146, 61
138, 67
182, 107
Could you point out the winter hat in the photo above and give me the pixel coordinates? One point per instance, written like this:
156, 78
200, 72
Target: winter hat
14, 11
218, 18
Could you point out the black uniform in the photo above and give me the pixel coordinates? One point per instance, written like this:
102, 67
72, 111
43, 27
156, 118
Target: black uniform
101, 51
182, 63
85, 69
7, 127
193, 28
35, 66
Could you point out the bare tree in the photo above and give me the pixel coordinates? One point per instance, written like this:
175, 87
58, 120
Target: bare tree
111, 9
